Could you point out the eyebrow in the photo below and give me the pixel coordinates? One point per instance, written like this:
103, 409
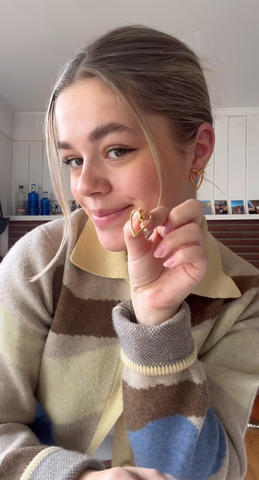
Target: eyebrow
99, 132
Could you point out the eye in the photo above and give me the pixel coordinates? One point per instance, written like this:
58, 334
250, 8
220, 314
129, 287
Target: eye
118, 152
73, 162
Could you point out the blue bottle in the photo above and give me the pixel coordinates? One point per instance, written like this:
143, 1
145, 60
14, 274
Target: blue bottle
45, 204
33, 201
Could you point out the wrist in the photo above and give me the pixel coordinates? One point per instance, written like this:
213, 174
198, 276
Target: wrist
162, 349
86, 474
153, 317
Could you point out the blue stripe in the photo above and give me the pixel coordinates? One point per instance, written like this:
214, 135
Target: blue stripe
174, 445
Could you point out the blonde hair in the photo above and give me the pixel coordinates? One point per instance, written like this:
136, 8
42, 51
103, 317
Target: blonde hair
151, 72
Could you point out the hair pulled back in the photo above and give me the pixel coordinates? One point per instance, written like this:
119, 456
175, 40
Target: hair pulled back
151, 72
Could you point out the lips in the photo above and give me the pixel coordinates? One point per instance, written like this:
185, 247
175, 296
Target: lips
107, 211
106, 216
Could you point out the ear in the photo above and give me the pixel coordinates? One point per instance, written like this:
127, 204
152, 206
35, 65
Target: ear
203, 146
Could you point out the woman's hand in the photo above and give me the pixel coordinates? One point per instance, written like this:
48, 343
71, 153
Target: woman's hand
129, 473
166, 268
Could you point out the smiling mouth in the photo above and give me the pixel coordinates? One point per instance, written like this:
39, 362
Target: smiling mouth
104, 217
106, 212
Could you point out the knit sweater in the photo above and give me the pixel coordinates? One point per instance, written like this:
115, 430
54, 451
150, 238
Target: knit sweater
75, 362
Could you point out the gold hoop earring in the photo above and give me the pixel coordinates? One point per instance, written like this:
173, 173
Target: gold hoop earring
201, 172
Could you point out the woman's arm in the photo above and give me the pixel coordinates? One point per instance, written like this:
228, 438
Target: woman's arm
180, 408
25, 317
187, 416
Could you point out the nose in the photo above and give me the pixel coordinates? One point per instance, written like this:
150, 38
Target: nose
93, 181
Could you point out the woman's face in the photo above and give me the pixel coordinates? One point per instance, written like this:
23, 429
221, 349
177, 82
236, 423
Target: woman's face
112, 168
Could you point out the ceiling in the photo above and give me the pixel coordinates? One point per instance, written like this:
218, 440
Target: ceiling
38, 36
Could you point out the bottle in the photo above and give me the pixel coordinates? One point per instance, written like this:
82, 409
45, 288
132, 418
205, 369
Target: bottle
33, 201
21, 201
45, 207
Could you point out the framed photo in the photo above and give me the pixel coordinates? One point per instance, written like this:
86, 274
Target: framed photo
237, 207
206, 207
221, 207
253, 206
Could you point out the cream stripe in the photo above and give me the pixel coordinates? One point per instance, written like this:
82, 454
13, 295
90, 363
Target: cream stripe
238, 386
196, 421
64, 346
237, 349
24, 340
62, 384
122, 455
137, 381
108, 288
111, 413
36, 461
165, 370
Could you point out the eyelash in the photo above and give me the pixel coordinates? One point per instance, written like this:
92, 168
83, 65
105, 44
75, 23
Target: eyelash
68, 161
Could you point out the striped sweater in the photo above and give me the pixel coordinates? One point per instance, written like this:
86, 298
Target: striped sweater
74, 362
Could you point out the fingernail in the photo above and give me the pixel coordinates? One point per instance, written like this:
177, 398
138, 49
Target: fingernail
166, 228
159, 251
148, 224
169, 263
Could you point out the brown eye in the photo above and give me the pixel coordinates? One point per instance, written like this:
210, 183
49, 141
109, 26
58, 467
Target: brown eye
73, 162
117, 152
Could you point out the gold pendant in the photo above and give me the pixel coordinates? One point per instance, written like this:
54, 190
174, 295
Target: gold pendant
141, 218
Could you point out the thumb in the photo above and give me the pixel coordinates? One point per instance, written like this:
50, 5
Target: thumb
134, 233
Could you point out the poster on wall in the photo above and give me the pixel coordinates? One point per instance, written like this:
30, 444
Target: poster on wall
253, 206
221, 207
237, 207
206, 207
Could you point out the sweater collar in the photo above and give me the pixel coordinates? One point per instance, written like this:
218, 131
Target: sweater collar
90, 256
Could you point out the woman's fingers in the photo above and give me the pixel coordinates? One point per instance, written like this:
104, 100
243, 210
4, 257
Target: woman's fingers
190, 234
146, 473
159, 216
194, 258
164, 220
118, 473
190, 211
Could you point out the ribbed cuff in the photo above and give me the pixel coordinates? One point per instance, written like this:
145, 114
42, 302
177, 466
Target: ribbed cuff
57, 464
155, 350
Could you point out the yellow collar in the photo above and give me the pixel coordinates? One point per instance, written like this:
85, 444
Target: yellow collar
216, 283
91, 257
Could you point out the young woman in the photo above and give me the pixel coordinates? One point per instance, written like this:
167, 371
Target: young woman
152, 331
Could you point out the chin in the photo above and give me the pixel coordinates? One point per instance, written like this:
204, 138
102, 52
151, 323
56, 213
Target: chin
111, 241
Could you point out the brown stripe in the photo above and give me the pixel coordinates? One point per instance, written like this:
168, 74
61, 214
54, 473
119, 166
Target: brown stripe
15, 462
246, 282
77, 316
146, 405
203, 308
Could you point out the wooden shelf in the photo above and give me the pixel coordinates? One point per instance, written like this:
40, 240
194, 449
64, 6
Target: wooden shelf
232, 217
26, 218
33, 218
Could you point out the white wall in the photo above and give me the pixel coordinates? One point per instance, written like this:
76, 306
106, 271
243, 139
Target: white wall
6, 162
233, 168
29, 155
6, 154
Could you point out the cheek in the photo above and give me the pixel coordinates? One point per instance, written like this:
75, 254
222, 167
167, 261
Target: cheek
73, 185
